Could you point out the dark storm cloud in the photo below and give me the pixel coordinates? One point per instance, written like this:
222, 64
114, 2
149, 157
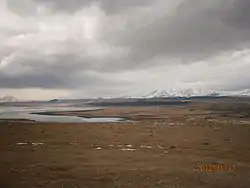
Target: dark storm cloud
114, 6
196, 30
52, 79
238, 14
58, 71
108, 6
65, 5
34, 80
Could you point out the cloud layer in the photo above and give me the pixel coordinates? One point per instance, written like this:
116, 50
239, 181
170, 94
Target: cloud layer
92, 48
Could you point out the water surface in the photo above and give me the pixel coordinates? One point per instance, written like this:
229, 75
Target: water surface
27, 112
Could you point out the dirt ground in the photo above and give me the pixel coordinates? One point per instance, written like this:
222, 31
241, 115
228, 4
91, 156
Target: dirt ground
161, 147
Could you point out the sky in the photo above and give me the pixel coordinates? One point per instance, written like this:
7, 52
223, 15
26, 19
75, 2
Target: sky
109, 48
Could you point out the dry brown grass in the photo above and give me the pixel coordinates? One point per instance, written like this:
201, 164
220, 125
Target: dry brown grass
146, 153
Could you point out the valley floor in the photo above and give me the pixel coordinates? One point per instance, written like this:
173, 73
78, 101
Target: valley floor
159, 148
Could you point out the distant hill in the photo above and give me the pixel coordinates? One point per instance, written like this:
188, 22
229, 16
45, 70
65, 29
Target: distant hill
8, 98
141, 102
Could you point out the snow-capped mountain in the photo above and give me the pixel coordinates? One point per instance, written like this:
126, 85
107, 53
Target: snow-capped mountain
241, 93
8, 98
179, 93
186, 92
245, 92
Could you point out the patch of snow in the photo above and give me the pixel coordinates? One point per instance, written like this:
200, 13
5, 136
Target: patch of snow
148, 147
127, 149
22, 143
37, 144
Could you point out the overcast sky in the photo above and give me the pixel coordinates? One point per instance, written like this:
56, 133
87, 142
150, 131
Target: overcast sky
92, 48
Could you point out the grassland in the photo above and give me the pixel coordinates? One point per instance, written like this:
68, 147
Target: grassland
159, 147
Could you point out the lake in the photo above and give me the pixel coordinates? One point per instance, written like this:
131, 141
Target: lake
27, 112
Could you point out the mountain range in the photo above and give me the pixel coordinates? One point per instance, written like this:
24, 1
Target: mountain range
8, 98
160, 93
190, 93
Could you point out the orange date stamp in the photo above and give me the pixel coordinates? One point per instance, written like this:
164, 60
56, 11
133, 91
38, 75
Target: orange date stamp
215, 168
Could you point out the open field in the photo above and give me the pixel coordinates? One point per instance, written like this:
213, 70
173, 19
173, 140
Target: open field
160, 147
